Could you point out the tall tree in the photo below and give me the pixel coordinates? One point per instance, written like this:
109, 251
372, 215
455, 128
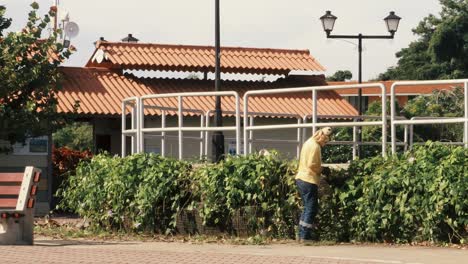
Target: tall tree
340, 76
4, 22
75, 136
29, 77
441, 52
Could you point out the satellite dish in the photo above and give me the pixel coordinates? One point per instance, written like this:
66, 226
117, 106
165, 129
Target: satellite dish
71, 29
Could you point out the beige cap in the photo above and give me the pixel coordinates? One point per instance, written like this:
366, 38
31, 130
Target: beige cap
323, 135
327, 131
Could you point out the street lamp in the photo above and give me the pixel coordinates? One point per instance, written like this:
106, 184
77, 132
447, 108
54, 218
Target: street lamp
328, 22
218, 137
392, 22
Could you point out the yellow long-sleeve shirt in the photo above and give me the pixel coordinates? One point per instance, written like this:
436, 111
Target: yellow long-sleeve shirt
310, 162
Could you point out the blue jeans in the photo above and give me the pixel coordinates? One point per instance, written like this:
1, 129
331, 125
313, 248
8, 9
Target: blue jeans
309, 195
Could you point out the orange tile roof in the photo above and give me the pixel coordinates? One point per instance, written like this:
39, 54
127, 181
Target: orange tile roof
146, 56
100, 92
402, 90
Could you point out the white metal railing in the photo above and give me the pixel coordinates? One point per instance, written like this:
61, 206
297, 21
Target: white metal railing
137, 130
133, 132
411, 132
180, 127
315, 124
163, 135
394, 122
354, 143
251, 139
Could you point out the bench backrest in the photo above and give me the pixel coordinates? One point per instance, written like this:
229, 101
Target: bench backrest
18, 190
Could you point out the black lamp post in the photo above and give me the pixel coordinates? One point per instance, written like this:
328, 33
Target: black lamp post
328, 22
218, 137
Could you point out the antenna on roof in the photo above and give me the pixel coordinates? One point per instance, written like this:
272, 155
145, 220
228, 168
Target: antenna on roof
70, 29
130, 39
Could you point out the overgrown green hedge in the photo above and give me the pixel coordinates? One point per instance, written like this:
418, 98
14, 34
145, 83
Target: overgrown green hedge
418, 196
139, 192
262, 187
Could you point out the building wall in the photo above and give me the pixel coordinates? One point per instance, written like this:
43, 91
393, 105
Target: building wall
17, 163
402, 100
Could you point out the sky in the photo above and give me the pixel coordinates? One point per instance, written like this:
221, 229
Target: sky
291, 24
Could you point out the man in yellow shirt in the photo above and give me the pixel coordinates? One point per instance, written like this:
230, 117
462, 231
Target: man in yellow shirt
308, 179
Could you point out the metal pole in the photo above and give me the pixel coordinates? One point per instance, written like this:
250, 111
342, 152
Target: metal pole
134, 136
411, 136
392, 117
304, 131
355, 145
124, 137
251, 134
180, 123
218, 137
163, 134
384, 120
314, 110
298, 149
141, 125
207, 124
56, 3
466, 116
238, 126
202, 135
246, 124
406, 135
359, 138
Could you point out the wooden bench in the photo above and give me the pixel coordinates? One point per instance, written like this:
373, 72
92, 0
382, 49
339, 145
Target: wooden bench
17, 198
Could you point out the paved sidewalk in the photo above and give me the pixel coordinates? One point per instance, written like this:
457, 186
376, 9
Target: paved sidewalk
57, 251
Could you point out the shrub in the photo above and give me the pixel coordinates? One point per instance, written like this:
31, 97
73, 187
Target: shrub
64, 163
417, 196
139, 192
66, 160
264, 185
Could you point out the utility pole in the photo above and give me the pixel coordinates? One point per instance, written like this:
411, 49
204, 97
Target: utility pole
218, 137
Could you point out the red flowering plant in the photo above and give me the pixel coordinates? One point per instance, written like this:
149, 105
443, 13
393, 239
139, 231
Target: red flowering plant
65, 161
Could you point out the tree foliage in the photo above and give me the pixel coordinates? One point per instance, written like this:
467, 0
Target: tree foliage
29, 77
441, 103
4, 22
75, 136
340, 76
441, 52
